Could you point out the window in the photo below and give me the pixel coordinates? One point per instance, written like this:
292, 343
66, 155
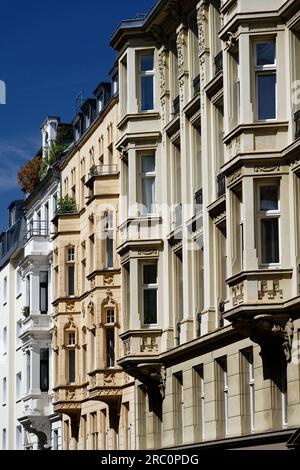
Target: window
178, 407
28, 300
4, 390
110, 337
248, 406
43, 292
71, 338
71, 366
44, 369
109, 240
28, 372
71, 280
150, 286
269, 214
71, 254
222, 395
94, 432
18, 333
4, 334
55, 439
19, 437
265, 70
5, 290
148, 183
147, 81
4, 443
199, 401
18, 283
18, 385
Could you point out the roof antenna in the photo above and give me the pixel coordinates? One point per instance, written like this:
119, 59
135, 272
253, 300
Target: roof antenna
79, 100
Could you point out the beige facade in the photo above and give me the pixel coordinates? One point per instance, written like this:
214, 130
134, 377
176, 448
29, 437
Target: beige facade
208, 236
91, 391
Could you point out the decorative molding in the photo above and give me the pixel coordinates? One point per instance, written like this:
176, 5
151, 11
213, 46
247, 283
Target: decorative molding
201, 17
235, 176
162, 61
108, 279
266, 168
238, 294
270, 289
70, 306
180, 42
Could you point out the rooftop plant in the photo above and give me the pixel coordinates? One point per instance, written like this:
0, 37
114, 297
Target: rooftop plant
29, 174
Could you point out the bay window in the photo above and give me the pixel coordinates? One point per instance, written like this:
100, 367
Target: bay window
265, 72
149, 287
148, 183
146, 70
269, 215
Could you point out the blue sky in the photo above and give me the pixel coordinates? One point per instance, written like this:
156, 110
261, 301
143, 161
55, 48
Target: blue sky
49, 51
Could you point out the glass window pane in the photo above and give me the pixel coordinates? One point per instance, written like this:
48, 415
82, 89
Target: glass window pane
150, 306
147, 62
147, 93
109, 252
265, 53
266, 96
269, 198
148, 163
269, 240
71, 288
150, 274
110, 347
71, 366
148, 194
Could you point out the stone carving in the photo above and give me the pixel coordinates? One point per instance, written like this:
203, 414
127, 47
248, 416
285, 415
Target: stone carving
149, 344
270, 290
238, 294
91, 308
162, 381
231, 41
108, 279
288, 335
163, 111
70, 394
162, 60
235, 176
127, 346
234, 147
147, 252
295, 164
266, 168
109, 378
180, 42
70, 306
219, 217
201, 28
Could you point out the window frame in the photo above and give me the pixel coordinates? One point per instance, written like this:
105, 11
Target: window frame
146, 287
145, 73
144, 176
109, 235
269, 214
261, 70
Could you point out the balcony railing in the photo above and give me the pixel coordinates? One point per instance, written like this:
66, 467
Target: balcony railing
220, 185
218, 62
66, 206
36, 228
10, 240
102, 170
196, 85
297, 124
176, 106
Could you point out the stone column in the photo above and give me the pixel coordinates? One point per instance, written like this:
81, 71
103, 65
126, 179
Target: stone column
35, 369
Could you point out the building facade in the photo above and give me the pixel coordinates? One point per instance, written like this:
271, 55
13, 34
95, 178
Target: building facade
209, 129
91, 391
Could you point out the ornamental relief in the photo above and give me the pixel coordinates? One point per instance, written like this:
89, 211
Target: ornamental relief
201, 17
162, 62
180, 49
269, 290
266, 168
238, 294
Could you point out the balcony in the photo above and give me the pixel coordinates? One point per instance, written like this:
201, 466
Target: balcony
66, 206
218, 61
106, 385
10, 241
221, 185
36, 228
103, 170
176, 107
196, 85
297, 124
67, 398
37, 325
141, 342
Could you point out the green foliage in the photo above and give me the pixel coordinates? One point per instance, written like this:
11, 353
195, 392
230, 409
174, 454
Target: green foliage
55, 151
66, 205
29, 174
